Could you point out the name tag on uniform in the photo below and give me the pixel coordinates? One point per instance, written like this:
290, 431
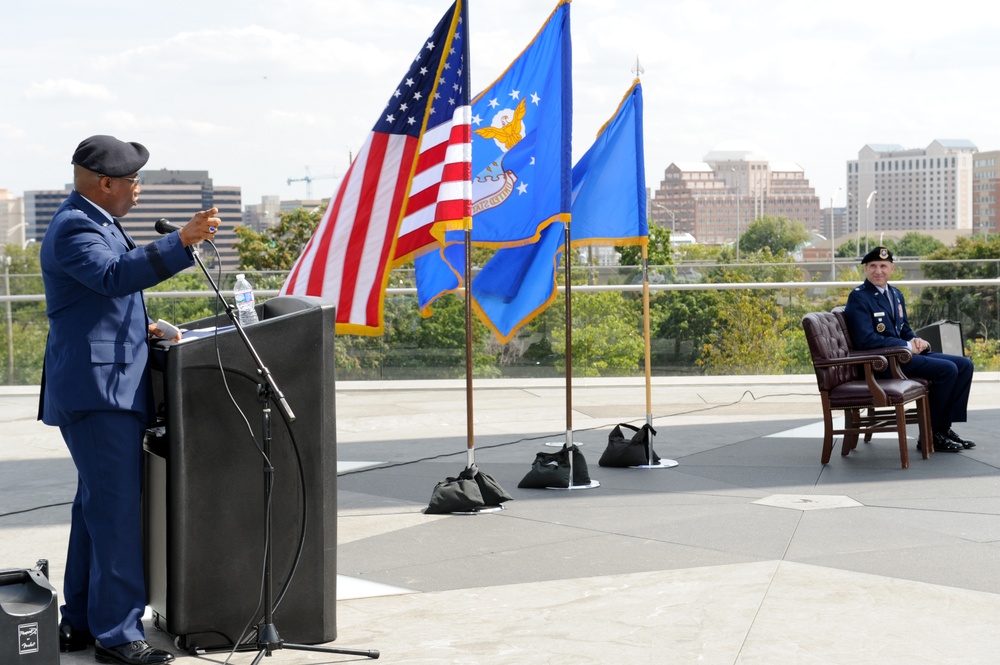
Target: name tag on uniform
879, 314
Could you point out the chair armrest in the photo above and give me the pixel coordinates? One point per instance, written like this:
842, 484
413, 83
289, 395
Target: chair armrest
870, 363
895, 354
901, 352
874, 361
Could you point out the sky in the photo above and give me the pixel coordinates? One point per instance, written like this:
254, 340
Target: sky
260, 92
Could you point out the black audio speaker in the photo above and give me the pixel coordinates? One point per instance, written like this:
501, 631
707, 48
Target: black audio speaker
944, 337
29, 617
205, 479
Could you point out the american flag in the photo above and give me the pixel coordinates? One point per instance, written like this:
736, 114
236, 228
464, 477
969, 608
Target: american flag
414, 171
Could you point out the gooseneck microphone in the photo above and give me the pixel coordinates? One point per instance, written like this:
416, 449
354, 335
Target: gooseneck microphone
164, 226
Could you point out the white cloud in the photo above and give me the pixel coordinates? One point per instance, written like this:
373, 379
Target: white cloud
67, 89
257, 91
11, 133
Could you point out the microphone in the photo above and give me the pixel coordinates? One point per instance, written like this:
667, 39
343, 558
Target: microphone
164, 226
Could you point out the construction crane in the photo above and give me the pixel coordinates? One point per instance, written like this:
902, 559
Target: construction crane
308, 179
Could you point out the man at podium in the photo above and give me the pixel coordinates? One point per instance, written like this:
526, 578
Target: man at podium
96, 388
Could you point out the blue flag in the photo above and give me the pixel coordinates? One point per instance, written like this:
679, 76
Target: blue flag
440, 271
609, 181
521, 147
519, 283
522, 187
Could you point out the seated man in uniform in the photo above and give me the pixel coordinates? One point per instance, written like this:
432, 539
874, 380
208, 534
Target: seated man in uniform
876, 316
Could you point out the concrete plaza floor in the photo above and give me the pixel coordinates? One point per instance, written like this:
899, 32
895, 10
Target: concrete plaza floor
749, 551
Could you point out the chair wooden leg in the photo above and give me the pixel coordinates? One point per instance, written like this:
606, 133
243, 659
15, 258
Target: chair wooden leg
924, 423
904, 449
851, 421
827, 434
868, 435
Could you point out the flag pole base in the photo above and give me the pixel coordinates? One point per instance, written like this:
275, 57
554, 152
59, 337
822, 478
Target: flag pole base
480, 511
664, 464
592, 485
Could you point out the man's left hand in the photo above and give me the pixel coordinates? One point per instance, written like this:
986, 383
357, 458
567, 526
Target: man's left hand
156, 333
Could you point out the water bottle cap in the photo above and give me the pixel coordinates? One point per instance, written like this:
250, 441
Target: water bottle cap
240, 276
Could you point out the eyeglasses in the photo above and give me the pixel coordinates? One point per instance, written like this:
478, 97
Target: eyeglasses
135, 181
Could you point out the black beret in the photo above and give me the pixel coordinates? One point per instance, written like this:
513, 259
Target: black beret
107, 155
878, 254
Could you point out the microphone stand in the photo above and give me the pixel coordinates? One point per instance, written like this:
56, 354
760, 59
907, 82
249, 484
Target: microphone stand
268, 641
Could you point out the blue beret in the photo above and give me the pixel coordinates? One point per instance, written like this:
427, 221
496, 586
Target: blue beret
878, 254
109, 156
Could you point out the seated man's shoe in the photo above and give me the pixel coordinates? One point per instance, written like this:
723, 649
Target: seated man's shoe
942, 444
965, 443
71, 639
132, 653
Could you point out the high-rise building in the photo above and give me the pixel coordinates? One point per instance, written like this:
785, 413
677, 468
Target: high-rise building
267, 213
173, 195
985, 188
13, 230
890, 188
39, 207
177, 196
834, 222
716, 200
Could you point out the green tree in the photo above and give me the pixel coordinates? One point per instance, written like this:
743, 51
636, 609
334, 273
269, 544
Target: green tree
916, 244
680, 323
606, 339
984, 354
659, 252
276, 248
749, 336
699, 253
778, 234
29, 322
913, 244
183, 310
974, 307
850, 247
751, 330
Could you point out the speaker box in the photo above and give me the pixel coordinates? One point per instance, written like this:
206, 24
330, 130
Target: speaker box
29, 618
205, 479
944, 337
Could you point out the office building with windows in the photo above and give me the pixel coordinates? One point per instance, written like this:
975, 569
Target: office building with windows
891, 188
985, 187
12, 227
173, 195
266, 214
716, 199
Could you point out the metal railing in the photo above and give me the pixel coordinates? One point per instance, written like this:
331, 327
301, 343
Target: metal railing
409, 350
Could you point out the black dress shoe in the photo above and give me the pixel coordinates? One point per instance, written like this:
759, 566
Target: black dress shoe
942, 444
965, 443
132, 653
71, 639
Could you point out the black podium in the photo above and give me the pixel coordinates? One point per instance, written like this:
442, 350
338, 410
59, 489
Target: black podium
204, 495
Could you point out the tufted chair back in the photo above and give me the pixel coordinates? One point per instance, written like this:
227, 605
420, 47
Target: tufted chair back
828, 340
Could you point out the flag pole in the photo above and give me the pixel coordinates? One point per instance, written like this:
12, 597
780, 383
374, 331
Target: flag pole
651, 462
469, 426
568, 446
567, 260
646, 335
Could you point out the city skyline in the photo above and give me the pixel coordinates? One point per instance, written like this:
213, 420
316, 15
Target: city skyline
261, 92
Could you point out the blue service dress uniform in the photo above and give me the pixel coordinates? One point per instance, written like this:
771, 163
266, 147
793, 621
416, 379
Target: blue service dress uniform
879, 320
96, 389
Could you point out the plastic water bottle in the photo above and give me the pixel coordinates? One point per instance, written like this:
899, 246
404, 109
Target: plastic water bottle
243, 293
